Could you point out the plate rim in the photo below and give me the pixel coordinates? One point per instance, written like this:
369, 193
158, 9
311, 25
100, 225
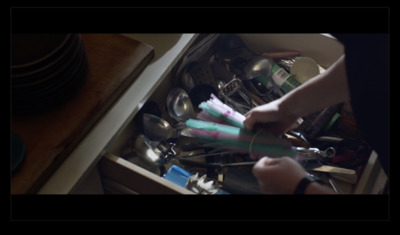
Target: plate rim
19, 66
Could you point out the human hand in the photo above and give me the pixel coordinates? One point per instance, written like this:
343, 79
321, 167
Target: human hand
273, 117
278, 175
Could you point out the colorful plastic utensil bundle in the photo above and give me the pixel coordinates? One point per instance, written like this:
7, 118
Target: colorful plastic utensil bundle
215, 110
220, 126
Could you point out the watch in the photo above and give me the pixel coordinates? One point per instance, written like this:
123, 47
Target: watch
302, 185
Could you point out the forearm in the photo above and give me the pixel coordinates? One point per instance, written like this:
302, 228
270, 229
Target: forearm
322, 91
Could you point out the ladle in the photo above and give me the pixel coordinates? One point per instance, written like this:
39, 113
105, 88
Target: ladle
179, 105
156, 128
159, 130
260, 68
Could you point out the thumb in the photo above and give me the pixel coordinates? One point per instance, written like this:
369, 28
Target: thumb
261, 167
268, 161
265, 162
249, 122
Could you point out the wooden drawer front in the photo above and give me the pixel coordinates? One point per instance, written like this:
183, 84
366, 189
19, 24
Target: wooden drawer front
135, 178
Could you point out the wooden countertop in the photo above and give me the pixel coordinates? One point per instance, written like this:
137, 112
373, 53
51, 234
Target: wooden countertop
115, 61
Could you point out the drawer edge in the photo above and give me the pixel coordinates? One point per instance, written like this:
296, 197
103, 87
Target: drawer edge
136, 178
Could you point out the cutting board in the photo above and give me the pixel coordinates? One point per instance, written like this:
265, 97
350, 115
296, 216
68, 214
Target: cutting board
115, 61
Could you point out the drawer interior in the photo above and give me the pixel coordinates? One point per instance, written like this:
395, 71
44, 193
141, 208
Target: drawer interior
123, 165
123, 168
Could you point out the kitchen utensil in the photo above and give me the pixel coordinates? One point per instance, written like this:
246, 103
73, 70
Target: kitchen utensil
237, 139
201, 93
199, 185
333, 169
191, 181
142, 161
186, 80
333, 184
281, 54
150, 107
214, 165
156, 128
234, 137
260, 68
304, 68
147, 149
197, 52
239, 180
196, 73
263, 94
151, 155
205, 156
179, 105
233, 91
315, 123
220, 111
221, 73
233, 53
144, 154
310, 154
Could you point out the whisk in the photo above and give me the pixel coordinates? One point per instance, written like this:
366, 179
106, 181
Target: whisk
233, 88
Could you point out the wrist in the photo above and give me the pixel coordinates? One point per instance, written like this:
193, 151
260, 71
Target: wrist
304, 184
291, 106
312, 188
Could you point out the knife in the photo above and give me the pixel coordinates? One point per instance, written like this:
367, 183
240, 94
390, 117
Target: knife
333, 169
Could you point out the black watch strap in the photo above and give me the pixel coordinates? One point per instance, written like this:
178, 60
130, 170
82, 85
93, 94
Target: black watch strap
302, 185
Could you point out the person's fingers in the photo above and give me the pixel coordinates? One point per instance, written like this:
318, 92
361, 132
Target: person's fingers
265, 161
255, 120
250, 121
258, 119
261, 168
268, 161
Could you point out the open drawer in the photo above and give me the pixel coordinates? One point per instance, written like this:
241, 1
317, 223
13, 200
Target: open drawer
122, 173
133, 175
